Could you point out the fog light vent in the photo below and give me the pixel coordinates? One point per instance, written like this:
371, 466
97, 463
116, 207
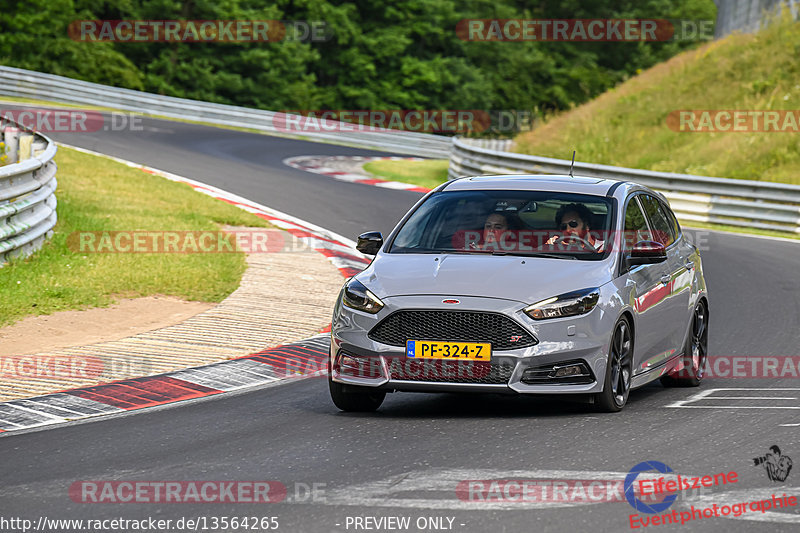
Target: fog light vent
566, 373
359, 367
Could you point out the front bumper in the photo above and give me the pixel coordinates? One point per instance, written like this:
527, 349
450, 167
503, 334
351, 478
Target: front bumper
356, 359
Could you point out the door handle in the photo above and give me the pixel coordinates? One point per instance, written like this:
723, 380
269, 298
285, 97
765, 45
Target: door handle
665, 278
689, 265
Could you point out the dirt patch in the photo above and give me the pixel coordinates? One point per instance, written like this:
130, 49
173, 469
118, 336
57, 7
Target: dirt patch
66, 329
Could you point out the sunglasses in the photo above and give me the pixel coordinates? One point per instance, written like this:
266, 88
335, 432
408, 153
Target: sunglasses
571, 223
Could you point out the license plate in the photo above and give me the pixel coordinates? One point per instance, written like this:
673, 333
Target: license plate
462, 351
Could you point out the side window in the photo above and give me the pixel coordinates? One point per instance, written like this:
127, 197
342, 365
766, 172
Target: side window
635, 225
676, 228
662, 229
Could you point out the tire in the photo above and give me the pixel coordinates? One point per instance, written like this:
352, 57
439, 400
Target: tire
695, 352
355, 399
617, 382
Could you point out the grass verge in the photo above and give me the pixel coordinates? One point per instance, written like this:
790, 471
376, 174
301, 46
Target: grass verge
96, 194
628, 125
428, 173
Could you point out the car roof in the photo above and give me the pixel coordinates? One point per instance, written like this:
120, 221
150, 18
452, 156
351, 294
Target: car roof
532, 182
548, 183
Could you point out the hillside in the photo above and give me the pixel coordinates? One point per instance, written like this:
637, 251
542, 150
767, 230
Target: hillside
637, 124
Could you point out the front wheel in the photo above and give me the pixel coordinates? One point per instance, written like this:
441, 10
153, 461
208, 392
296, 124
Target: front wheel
352, 398
617, 384
695, 353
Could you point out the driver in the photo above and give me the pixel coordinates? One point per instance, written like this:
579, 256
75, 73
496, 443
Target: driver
574, 222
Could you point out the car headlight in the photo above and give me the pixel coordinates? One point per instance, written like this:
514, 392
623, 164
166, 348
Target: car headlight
569, 304
357, 296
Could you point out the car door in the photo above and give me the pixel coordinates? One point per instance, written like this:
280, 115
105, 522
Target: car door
647, 293
686, 257
673, 275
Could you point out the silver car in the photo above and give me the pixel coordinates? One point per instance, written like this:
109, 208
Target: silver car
523, 284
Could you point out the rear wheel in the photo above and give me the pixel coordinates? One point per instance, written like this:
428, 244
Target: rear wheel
352, 398
617, 384
695, 353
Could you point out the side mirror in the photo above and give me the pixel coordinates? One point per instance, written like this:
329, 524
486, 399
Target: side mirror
370, 242
646, 253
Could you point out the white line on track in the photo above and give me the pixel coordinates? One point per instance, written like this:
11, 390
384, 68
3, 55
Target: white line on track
707, 395
437, 489
753, 398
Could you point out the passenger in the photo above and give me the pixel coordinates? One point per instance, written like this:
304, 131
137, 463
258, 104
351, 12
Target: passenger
500, 232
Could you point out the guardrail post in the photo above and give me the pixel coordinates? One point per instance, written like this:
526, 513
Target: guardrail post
25, 150
11, 140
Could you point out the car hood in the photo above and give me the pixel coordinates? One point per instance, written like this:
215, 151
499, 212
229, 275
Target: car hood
523, 279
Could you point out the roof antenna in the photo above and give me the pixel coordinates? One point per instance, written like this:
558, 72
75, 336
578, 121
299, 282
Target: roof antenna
572, 164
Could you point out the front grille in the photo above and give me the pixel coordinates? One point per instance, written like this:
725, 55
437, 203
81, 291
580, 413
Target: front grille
437, 370
465, 326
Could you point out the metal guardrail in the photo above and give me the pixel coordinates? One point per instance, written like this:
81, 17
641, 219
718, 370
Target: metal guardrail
749, 16
27, 191
743, 203
31, 84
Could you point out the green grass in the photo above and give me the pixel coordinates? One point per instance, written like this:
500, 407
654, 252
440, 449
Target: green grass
50, 103
428, 173
627, 126
97, 194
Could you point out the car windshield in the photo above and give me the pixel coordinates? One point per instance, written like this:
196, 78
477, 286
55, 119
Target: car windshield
563, 225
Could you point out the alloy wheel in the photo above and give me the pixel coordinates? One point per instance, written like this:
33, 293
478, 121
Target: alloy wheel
699, 342
620, 361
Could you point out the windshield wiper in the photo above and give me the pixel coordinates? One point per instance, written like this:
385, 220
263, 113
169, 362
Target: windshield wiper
536, 254
513, 253
476, 251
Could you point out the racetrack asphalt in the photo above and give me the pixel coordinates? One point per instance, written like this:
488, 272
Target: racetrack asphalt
406, 460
